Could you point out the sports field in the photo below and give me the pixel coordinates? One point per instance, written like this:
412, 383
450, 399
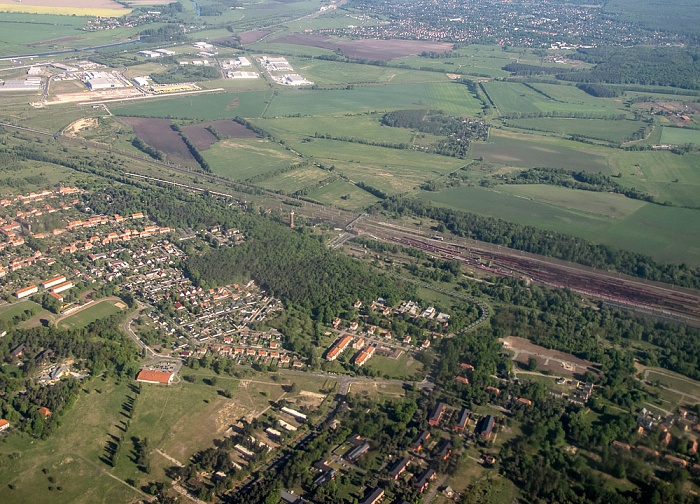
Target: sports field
203, 107
100, 309
451, 98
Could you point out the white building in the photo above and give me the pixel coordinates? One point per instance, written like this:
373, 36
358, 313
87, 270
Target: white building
27, 291
62, 287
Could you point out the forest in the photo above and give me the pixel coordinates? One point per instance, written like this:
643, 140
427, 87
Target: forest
297, 268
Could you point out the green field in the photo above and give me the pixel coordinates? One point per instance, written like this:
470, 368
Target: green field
295, 180
666, 176
344, 195
650, 229
678, 136
16, 309
242, 158
391, 170
450, 97
530, 151
323, 72
515, 97
676, 382
71, 455
86, 316
364, 127
600, 129
203, 107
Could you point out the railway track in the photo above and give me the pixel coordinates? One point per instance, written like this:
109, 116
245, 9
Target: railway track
669, 302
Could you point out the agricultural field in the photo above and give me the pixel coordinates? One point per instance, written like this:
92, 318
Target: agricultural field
650, 229
529, 151
202, 107
243, 158
599, 129
323, 72
364, 127
158, 134
515, 97
101, 8
390, 170
371, 49
679, 136
666, 176
451, 98
86, 316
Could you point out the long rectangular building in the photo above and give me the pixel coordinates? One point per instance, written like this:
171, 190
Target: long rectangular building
53, 281
27, 291
338, 348
62, 287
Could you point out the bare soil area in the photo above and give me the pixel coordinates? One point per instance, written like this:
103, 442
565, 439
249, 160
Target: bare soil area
158, 134
558, 363
252, 36
372, 49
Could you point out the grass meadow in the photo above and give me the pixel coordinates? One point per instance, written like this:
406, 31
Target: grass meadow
365, 127
599, 129
295, 180
344, 195
390, 170
450, 97
323, 72
602, 218
677, 136
242, 158
515, 97
529, 151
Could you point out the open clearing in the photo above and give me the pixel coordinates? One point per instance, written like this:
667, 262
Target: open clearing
549, 360
372, 49
242, 158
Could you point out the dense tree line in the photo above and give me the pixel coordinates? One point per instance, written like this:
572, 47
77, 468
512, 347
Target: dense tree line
192, 148
147, 149
653, 66
548, 243
598, 90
